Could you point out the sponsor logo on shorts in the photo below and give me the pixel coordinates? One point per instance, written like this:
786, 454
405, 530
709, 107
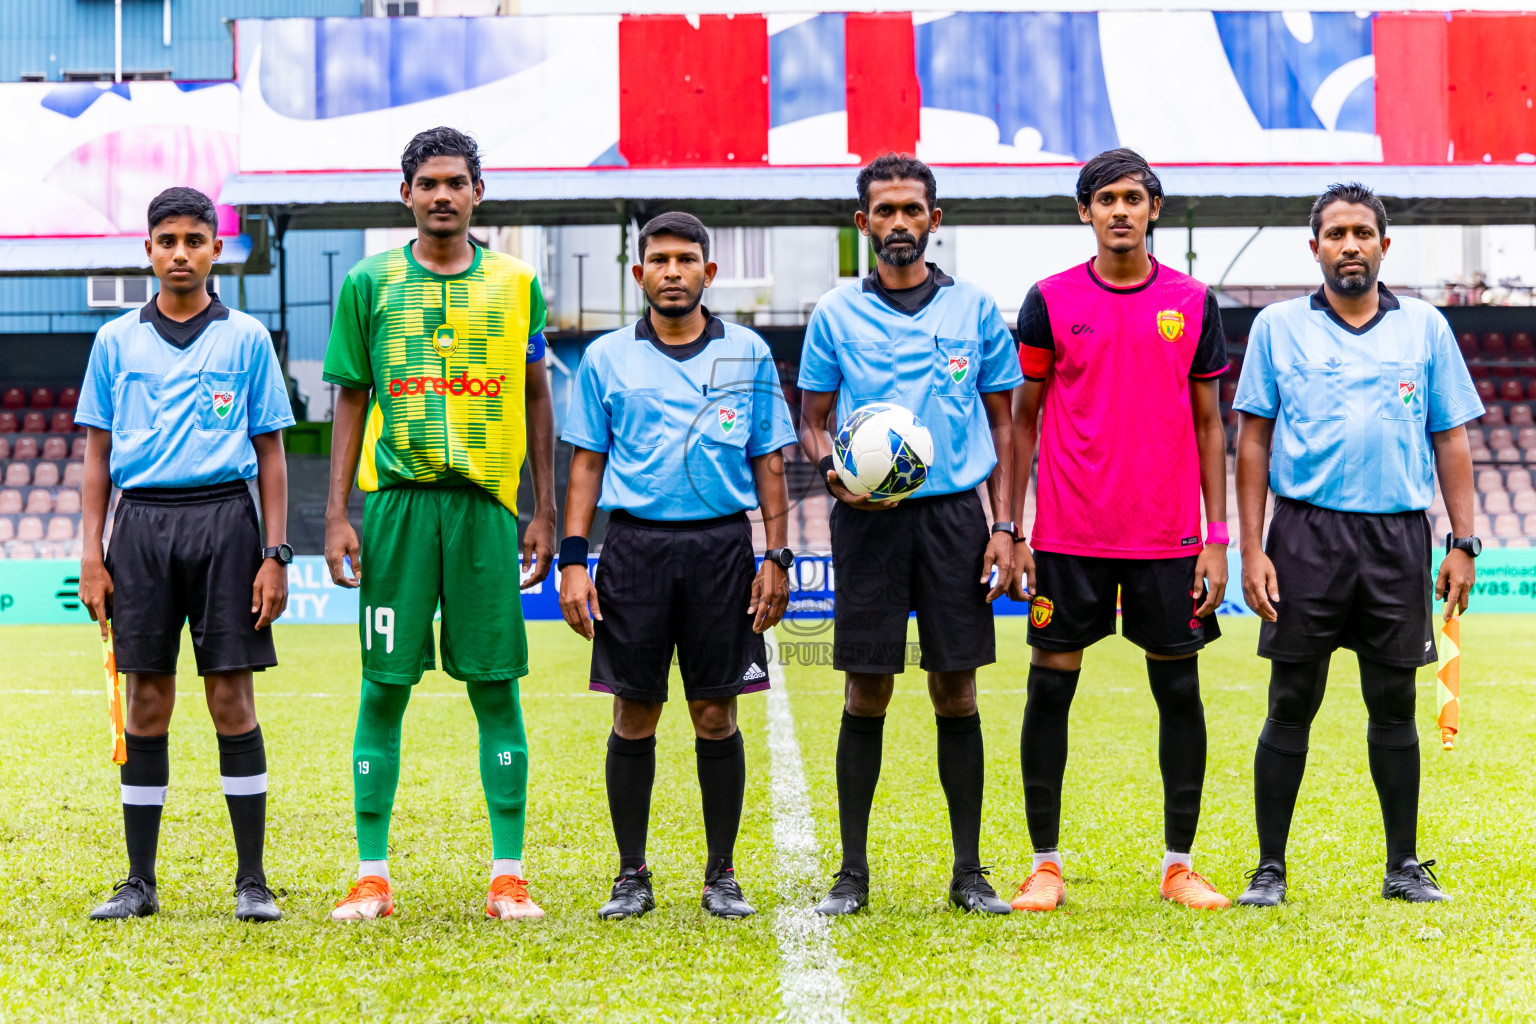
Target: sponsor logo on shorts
1040, 611
1170, 324
444, 339
753, 673
727, 418
1405, 391
959, 366
463, 384
223, 401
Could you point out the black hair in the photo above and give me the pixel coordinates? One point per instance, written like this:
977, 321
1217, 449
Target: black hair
181, 201
1348, 192
675, 222
897, 167
1109, 167
439, 142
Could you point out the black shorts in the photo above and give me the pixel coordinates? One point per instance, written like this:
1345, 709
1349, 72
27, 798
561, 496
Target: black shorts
677, 585
1073, 605
1357, 580
924, 555
187, 555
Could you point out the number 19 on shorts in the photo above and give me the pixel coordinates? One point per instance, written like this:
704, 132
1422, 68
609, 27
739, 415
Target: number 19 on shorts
380, 620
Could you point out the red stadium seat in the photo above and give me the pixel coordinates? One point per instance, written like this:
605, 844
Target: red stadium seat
74, 475
1494, 344
1476, 438
1512, 390
68, 502
1500, 437
1467, 342
1481, 454
1494, 503
1520, 415
5, 447
7, 423
45, 475
10, 502
1526, 438
42, 398
24, 448
1517, 480
1228, 391
55, 447
29, 528
77, 448
13, 398
69, 397
1489, 480
1487, 390
1520, 345
62, 423
33, 423
1493, 417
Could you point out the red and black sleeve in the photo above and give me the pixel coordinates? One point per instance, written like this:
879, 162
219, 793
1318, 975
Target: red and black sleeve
1210, 360
1037, 346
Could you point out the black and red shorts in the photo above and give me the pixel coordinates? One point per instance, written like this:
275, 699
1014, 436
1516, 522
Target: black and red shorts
1075, 600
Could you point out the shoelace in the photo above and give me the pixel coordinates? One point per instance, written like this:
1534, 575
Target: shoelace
1425, 868
848, 884
726, 885
626, 885
1264, 871
259, 888
974, 880
364, 889
119, 888
511, 887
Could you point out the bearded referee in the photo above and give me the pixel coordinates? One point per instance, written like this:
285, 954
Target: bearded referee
912, 335
1350, 399
678, 423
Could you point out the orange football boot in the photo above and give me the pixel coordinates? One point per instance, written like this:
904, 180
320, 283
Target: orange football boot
369, 897
508, 899
1042, 890
1181, 885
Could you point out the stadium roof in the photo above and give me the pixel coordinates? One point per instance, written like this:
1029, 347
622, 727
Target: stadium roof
112, 255
1218, 195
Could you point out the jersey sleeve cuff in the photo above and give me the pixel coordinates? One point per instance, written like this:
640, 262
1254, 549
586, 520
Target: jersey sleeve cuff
576, 440
777, 445
90, 421
1007, 385
1254, 410
806, 384
270, 426
1035, 380
346, 382
1212, 375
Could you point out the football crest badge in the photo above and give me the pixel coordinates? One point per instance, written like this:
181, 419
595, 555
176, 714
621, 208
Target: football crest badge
959, 366
444, 340
1405, 391
1170, 324
727, 419
223, 401
1040, 610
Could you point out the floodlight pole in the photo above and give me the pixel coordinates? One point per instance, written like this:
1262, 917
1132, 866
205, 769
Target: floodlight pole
580, 291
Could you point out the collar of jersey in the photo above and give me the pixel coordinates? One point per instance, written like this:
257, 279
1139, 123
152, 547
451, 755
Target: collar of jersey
1093, 275
936, 279
1386, 302
474, 264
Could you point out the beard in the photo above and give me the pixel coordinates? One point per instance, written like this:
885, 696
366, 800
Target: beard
676, 308
903, 257
1351, 284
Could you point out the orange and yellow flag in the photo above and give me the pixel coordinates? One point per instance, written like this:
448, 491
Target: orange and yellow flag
114, 697
1448, 681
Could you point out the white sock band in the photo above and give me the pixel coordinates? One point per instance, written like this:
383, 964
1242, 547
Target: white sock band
144, 796
506, 866
1170, 859
1053, 857
373, 867
244, 785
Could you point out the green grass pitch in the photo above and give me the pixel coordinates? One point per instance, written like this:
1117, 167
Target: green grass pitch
1337, 952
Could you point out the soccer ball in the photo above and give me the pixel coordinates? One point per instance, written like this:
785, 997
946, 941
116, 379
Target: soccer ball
882, 450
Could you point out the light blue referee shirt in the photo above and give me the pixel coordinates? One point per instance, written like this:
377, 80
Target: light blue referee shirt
933, 352
679, 423
1354, 406
183, 400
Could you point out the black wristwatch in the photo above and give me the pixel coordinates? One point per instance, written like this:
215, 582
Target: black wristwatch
283, 553
1473, 546
784, 557
1005, 526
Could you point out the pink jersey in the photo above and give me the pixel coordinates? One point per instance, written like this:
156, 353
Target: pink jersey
1119, 467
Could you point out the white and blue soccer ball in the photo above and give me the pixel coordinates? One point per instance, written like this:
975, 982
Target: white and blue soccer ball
882, 450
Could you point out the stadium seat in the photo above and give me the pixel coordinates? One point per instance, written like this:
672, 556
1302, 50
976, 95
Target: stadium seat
1524, 502
1520, 345
55, 448
1486, 389
1476, 438
77, 448
1442, 525
1510, 454
18, 550
1228, 391
1517, 542
62, 423
5, 447
68, 502
13, 398
1500, 437
1504, 368
1489, 480
1482, 526
46, 475
1494, 344
62, 528
7, 423
1467, 342
7, 529
10, 502
69, 397
1512, 390
29, 528
39, 502
1517, 480
1526, 438
1507, 525
1530, 524
42, 398
1481, 454
1492, 417
18, 474
1520, 416
34, 423
1494, 503
24, 448
74, 475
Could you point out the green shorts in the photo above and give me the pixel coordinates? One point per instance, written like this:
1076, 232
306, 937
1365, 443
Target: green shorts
457, 546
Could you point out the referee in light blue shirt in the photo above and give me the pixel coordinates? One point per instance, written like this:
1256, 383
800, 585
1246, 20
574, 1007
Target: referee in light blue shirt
1350, 399
912, 335
184, 402
678, 422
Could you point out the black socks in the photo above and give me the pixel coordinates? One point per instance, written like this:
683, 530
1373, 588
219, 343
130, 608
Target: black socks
962, 773
1278, 764
1393, 741
144, 776
722, 766
1181, 746
243, 772
1043, 750
631, 772
859, 746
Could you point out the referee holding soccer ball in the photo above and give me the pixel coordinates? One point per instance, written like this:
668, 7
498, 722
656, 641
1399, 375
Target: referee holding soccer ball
911, 335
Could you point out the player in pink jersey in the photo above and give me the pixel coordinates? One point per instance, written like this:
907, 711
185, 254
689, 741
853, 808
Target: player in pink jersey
1124, 355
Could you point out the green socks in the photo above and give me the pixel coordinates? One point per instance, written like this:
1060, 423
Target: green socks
503, 764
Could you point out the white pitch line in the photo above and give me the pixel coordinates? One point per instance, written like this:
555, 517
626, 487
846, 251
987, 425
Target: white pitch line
809, 983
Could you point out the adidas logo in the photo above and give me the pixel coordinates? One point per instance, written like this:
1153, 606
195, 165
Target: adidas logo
754, 673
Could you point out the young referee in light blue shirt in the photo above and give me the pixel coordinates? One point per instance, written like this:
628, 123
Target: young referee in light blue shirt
1351, 398
184, 402
678, 422
914, 336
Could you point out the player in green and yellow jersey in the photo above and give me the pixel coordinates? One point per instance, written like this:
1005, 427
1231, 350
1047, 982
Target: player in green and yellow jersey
438, 351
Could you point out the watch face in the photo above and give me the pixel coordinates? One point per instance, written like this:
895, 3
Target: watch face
1477, 547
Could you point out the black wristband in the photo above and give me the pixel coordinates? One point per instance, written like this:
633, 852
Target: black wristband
826, 465
573, 551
